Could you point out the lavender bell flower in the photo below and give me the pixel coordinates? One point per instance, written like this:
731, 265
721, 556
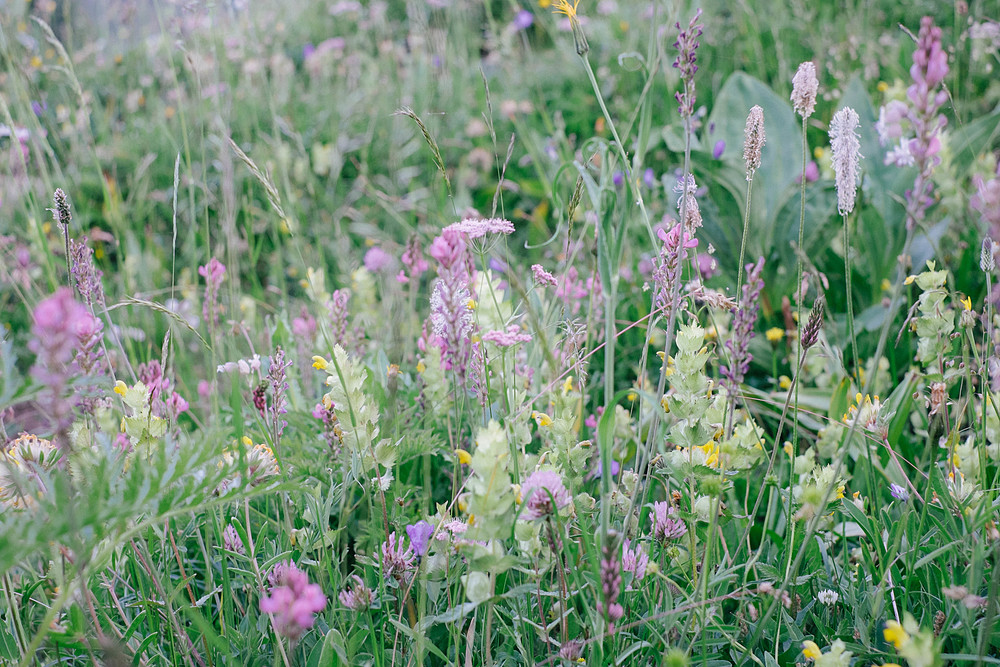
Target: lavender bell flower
420, 534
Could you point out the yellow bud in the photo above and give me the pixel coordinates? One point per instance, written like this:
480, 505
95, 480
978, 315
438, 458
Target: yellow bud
464, 457
421, 366
909, 280
320, 363
895, 634
120, 388
246, 441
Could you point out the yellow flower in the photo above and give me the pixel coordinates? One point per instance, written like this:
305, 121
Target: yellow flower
895, 634
784, 382
818, 152
421, 366
544, 4
886, 285
567, 385
120, 388
967, 302
882, 86
774, 335
541, 418
320, 363
471, 304
665, 404
909, 280
463, 457
247, 441
810, 650
632, 396
563, 7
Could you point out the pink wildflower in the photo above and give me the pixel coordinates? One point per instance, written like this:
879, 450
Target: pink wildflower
634, 560
357, 596
378, 260
508, 338
475, 228
543, 494
397, 559
542, 277
293, 604
666, 526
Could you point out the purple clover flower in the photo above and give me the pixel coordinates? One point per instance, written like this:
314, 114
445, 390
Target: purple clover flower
357, 596
397, 559
667, 526
544, 494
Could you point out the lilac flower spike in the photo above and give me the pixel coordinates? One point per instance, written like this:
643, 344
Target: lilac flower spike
805, 86
213, 273
420, 534
686, 63
294, 604
667, 526
754, 139
846, 146
746, 316
451, 316
543, 494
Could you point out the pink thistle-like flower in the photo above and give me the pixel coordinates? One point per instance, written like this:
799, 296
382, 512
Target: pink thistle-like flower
544, 494
805, 86
667, 526
294, 604
397, 559
357, 596
846, 146
542, 277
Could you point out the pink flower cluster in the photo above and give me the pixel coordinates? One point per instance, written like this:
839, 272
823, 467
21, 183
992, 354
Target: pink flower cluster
293, 602
543, 494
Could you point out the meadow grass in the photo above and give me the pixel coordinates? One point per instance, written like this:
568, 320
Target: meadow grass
485, 333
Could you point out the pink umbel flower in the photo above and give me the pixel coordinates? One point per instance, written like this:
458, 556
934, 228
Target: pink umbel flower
58, 322
294, 604
543, 494
357, 596
805, 86
512, 336
397, 559
846, 146
475, 228
214, 272
542, 277
666, 525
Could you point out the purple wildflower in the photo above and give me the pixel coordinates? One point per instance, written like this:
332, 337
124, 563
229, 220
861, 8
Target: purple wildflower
231, 541
846, 147
413, 260
649, 178
899, 493
279, 573
339, 313
746, 316
84, 274
420, 534
522, 20
686, 63
611, 584
475, 228
397, 559
666, 275
986, 202
378, 260
634, 560
277, 376
293, 604
214, 272
667, 526
618, 179
357, 596
59, 320
451, 315
543, 493
805, 86
719, 149
542, 277
512, 336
